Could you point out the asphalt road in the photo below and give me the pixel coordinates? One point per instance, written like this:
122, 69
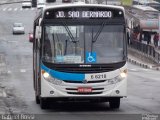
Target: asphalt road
16, 80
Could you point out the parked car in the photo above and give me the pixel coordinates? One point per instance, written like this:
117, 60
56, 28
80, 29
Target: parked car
18, 28
26, 4
30, 37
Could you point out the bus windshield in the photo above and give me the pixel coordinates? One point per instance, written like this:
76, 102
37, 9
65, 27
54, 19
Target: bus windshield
74, 44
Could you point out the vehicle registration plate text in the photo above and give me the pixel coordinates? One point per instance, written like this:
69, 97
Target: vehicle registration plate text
98, 76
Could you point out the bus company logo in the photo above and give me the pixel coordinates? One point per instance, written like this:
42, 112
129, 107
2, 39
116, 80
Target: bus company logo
85, 81
85, 65
149, 117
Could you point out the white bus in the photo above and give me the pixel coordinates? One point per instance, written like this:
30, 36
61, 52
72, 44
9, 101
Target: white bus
80, 53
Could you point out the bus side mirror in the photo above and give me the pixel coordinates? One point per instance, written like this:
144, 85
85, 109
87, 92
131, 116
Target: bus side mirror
38, 32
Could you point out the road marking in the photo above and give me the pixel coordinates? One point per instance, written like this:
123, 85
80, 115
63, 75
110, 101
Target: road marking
12, 41
9, 72
23, 70
135, 70
2, 64
145, 69
139, 69
15, 9
32, 8
4, 9
2, 92
9, 9
26, 9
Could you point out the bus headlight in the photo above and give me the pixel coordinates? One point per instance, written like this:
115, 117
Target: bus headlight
50, 79
123, 73
46, 75
119, 78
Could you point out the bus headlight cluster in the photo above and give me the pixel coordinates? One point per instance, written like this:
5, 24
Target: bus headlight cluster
119, 78
50, 79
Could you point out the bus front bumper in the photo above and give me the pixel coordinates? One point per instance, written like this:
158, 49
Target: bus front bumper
49, 90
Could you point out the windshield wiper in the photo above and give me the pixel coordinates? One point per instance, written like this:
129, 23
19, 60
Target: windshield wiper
94, 38
72, 38
98, 33
69, 33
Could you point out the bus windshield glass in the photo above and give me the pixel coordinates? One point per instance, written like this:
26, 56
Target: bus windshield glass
75, 44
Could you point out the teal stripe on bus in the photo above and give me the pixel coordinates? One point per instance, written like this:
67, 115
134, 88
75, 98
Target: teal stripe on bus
63, 75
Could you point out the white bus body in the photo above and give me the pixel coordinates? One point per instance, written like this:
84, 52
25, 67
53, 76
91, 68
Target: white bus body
102, 81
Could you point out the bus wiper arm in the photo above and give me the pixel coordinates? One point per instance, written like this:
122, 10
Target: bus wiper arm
69, 33
94, 39
98, 33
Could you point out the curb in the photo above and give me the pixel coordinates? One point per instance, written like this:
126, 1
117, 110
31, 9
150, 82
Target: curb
143, 65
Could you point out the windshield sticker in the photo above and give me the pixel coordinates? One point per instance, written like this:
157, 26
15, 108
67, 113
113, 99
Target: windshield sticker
72, 59
91, 57
59, 59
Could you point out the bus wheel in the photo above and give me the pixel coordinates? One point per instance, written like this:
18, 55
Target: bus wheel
114, 103
43, 103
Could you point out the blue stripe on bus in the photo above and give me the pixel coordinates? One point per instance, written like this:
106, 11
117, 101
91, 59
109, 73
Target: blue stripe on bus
63, 75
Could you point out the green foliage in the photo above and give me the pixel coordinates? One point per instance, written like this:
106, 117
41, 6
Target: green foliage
126, 2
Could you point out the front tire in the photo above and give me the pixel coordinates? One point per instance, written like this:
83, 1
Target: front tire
114, 103
37, 99
43, 103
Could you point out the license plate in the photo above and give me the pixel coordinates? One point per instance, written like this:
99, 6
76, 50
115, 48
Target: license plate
84, 90
98, 76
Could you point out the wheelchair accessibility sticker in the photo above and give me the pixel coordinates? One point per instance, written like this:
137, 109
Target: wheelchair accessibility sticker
91, 57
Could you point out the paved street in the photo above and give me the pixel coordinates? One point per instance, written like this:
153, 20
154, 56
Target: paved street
16, 85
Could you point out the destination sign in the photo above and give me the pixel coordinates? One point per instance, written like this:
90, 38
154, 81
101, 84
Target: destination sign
83, 13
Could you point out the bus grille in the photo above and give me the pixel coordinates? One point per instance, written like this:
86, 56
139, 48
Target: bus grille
85, 70
91, 93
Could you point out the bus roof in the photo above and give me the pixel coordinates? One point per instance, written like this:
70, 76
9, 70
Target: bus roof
80, 4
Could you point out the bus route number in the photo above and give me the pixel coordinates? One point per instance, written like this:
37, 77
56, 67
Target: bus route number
99, 76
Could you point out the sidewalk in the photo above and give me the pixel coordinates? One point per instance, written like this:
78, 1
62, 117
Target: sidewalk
137, 58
